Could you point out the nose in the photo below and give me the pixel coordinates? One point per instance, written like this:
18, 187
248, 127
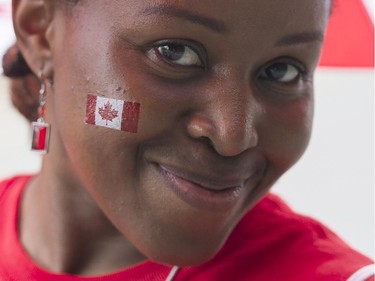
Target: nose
227, 118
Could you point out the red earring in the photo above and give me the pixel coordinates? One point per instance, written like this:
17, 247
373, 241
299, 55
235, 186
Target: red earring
41, 129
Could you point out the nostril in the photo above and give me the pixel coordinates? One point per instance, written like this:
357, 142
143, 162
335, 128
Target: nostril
235, 143
208, 143
200, 127
226, 136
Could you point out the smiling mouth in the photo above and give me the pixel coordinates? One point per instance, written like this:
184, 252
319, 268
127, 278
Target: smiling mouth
206, 195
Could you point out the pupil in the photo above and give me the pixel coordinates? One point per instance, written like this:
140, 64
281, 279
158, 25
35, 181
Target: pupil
172, 52
277, 71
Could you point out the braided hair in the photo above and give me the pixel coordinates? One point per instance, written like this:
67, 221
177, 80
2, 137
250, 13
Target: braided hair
24, 85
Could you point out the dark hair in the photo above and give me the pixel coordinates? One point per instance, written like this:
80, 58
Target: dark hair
14, 65
24, 85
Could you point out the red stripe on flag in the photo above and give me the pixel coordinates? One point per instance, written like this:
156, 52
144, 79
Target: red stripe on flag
130, 116
90, 109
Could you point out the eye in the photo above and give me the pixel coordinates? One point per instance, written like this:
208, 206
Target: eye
179, 54
281, 72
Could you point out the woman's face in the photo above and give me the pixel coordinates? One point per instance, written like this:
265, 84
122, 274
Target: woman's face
226, 102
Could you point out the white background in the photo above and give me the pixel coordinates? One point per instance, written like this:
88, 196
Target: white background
334, 181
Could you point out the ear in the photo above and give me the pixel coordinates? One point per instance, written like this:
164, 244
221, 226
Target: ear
32, 22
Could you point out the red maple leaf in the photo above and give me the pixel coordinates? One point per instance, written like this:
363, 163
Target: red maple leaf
107, 113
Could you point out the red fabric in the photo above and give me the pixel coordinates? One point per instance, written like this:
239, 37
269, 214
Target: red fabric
350, 36
15, 265
270, 243
273, 243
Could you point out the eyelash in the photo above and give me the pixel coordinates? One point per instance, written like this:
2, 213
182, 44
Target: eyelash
290, 63
190, 48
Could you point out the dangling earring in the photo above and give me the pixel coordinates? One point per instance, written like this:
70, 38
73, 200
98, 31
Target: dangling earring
41, 129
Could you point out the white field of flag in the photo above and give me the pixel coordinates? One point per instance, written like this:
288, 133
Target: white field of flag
112, 113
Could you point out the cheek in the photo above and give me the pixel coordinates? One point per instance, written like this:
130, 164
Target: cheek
89, 149
286, 131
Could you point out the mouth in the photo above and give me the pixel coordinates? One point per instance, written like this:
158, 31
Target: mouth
203, 192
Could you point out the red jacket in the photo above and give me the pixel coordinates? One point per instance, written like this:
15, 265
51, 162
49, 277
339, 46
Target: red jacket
271, 243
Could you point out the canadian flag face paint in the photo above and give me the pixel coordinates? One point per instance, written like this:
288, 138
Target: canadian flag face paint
112, 113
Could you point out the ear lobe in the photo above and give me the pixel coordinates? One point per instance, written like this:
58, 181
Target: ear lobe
32, 22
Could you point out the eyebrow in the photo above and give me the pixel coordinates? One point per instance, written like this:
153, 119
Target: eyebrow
301, 38
165, 9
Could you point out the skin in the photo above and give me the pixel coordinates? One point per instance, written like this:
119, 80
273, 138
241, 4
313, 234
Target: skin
225, 120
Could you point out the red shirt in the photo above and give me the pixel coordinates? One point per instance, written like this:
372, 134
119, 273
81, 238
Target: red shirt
270, 243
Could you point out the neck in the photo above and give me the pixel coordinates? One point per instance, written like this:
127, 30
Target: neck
64, 231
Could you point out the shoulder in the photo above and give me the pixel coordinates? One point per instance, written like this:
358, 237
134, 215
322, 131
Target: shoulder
296, 245
13, 184
272, 242
10, 197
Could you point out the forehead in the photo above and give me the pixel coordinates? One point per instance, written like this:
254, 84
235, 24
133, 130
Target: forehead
251, 12
259, 15
249, 24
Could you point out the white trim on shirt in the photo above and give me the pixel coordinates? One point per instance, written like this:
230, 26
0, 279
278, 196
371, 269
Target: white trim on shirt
363, 273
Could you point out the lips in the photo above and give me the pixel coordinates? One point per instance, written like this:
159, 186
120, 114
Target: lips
202, 192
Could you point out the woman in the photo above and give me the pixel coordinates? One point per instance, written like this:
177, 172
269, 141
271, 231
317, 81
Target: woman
170, 121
